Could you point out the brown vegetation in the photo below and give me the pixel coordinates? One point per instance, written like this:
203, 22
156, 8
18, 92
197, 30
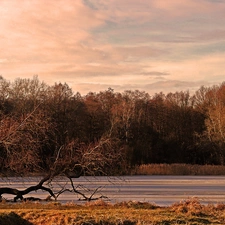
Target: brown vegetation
178, 169
187, 212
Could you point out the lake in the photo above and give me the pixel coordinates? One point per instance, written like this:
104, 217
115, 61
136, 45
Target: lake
160, 190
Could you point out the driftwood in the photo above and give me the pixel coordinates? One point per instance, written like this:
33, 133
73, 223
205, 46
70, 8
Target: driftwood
20, 193
84, 196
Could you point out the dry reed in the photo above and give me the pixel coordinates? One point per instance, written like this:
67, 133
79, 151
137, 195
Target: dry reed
178, 169
187, 212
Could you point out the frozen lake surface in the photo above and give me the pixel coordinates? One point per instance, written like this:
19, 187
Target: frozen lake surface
161, 190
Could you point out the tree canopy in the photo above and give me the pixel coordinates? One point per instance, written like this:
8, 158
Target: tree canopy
47, 125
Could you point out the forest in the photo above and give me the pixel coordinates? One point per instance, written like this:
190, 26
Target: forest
49, 127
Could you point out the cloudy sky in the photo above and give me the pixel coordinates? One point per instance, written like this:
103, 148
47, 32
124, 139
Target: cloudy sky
149, 45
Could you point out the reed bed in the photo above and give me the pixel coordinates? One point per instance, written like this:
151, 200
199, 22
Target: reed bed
186, 212
178, 169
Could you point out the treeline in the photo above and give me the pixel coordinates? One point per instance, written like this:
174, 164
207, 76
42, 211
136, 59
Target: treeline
163, 128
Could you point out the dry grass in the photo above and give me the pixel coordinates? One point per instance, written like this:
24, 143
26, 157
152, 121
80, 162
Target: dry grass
178, 169
187, 212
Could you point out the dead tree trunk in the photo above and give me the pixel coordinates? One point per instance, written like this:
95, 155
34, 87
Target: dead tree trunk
19, 194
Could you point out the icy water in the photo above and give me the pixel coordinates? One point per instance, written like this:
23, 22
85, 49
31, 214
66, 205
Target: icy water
160, 190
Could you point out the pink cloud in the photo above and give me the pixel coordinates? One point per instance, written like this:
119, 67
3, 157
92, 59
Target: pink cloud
39, 26
98, 42
185, 8
133, 11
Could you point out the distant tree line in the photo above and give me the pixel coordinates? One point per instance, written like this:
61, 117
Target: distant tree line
44, 126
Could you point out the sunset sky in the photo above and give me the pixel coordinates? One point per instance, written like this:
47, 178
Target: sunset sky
148, 45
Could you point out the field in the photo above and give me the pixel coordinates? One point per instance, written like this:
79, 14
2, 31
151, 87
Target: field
187, 212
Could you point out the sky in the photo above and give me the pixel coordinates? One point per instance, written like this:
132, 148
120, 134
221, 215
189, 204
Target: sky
146, 45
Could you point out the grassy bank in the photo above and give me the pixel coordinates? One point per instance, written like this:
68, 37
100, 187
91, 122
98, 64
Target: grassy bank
178, 169
101, 213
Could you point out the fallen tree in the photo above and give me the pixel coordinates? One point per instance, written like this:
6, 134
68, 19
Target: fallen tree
20, 193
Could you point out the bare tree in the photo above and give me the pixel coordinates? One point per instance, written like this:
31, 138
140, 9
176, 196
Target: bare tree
21, 145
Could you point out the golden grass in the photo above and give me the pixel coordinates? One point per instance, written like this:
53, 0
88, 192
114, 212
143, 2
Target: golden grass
178, 169
187, 212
